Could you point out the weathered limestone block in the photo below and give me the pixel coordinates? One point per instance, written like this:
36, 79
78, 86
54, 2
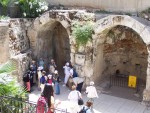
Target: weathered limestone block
72, 58
138, 27
23, 64
79, 70
88, 69
44, 18
36, 24
65, 23
146, 95
14, 23
109, 40
81, 49
103, 24
79, 59
128, 21
145, 35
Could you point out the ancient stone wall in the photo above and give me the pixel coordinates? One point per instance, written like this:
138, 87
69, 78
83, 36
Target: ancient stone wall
14, 44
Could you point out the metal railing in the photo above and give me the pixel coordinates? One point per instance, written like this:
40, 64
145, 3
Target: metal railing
121, 81
18, 105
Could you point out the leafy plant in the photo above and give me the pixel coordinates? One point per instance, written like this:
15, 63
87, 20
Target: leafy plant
32, 8
8, 67
4, 4
9, 87
4, 17
82, 32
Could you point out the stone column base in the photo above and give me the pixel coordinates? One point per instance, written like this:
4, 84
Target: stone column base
146, 97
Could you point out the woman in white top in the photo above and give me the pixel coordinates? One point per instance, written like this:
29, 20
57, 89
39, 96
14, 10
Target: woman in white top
39, 73
73, 97
67, 72
91, 93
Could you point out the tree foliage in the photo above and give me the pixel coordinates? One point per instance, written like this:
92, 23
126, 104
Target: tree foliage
32, 8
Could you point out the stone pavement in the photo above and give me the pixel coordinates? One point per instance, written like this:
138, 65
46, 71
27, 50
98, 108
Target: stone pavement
104, 104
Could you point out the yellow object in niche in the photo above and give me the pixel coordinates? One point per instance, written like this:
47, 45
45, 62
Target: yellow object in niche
132, 81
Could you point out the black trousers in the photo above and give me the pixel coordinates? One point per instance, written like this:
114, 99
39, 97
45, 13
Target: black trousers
79, 86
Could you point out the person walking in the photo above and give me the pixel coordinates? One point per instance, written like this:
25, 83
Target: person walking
43, 80
41, 63
50, 79
26, 79
73, 97
86, 108
34, 69
56, 80
91, 93
52, 66
47, 97
39, 73
66, 72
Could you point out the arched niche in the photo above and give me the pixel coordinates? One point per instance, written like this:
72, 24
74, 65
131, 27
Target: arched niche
52, 42
109, 22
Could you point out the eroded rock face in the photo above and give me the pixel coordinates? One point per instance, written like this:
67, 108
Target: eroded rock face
124, 51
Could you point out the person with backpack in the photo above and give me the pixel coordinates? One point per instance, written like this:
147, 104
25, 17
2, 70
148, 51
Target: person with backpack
45, 103
86, 108
26, 79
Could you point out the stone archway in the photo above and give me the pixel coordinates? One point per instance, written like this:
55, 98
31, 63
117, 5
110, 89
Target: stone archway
50, 38
53, 43
109, 22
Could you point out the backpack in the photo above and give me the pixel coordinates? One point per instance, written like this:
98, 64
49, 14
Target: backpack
75, 74
83, 110
26, 77
41, 105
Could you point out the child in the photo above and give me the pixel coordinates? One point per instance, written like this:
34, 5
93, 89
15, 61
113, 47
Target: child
49, 79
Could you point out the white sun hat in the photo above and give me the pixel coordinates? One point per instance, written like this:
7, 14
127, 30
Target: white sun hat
40, 68
67, 64
91, 83
56, 72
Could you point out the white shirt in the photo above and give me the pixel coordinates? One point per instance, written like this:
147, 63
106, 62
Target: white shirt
71, 71
78, 80
92, 93
73, 96
66, 70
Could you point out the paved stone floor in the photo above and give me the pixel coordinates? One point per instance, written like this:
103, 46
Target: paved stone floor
104, 104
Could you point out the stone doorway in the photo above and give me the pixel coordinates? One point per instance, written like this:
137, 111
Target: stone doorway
123, 53
53, 42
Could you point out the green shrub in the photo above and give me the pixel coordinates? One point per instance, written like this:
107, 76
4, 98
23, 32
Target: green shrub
4, 4
82, 32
